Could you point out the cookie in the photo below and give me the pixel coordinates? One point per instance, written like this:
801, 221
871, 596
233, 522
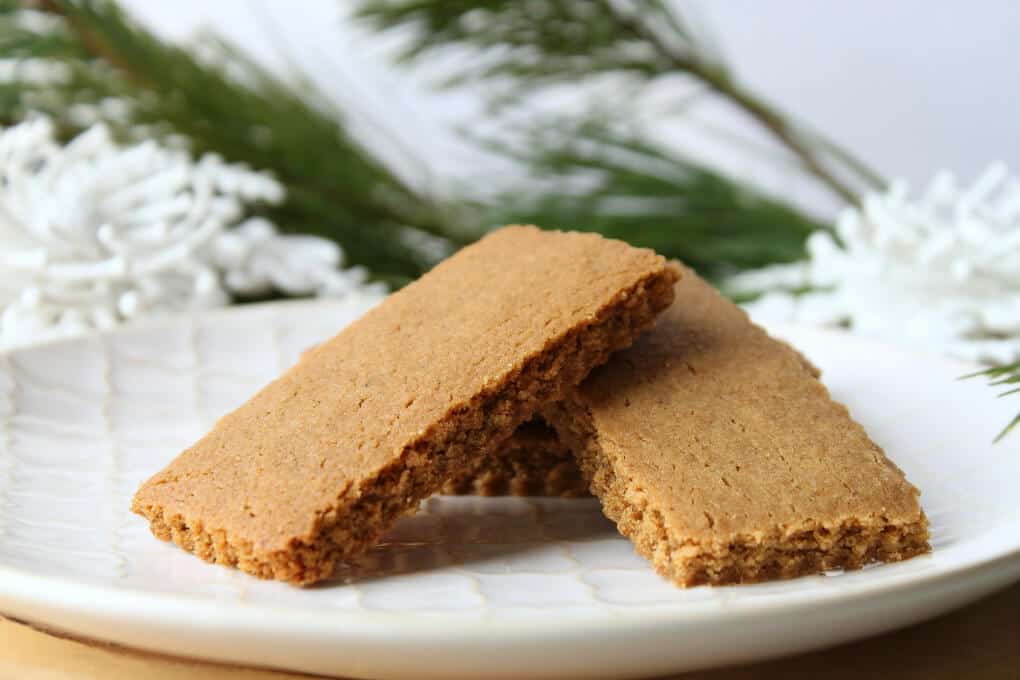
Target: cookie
321, 462
717, 451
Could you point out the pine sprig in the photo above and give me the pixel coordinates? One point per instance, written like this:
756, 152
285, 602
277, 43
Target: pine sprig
1007, 377
526, 46
336, 186
625, 187
595, 169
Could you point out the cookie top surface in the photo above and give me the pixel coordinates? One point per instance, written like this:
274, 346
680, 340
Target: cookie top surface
355, 403
726, 431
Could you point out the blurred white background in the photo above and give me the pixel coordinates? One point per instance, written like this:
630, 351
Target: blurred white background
910, 86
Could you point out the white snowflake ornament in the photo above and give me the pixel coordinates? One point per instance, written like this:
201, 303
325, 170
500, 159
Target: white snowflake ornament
941, 271
93, 234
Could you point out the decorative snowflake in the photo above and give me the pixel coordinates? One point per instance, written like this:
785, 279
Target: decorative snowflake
93, 234
941, 271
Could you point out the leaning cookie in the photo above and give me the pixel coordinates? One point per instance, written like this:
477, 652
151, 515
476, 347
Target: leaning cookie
717, 451
319, 464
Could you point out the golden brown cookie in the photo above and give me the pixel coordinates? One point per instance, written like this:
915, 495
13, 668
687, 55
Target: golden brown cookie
321, 462
718, 452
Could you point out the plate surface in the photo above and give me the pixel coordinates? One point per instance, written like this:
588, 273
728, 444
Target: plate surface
469, 586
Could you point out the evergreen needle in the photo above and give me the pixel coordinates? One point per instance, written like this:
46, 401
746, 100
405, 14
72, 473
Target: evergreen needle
1008, 374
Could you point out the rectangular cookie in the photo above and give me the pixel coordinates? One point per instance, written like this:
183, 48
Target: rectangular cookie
723, 458
322, 461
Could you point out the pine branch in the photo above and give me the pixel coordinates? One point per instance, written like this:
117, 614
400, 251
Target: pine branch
1004, 377
625, 187
592, 170
567, 41
336, 186
719, 80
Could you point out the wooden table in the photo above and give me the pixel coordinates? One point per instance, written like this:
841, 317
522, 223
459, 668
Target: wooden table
981, 642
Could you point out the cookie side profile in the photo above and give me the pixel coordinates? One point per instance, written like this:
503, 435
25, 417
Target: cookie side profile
718, 452
322, 461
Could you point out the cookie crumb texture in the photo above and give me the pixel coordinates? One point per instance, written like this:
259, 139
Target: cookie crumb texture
532, 462
718, 452
322, 461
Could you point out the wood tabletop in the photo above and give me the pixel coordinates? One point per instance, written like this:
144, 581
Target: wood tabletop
980, 642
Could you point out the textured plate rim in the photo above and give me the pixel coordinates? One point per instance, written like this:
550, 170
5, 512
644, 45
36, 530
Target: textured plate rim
30, 591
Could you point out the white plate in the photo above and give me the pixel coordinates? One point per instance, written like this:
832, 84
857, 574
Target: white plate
469, 587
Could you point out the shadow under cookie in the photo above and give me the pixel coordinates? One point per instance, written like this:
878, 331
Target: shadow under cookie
476, 534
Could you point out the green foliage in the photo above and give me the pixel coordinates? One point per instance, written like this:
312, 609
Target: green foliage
597, 172
1003, 376
537, 42
525, 46
651, 197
